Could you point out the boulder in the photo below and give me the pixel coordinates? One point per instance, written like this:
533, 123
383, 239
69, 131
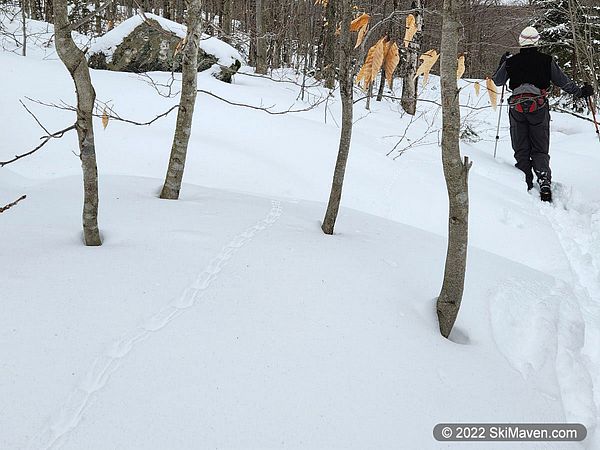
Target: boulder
138, 45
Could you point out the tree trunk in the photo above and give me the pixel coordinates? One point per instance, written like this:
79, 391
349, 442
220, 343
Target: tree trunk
346, 80
329, 39
75, 62
261, 41
409, 84
24, 20
226, 27
456, 174
381, 86
183, 128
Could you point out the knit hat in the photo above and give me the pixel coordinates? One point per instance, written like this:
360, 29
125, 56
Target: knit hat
529, 37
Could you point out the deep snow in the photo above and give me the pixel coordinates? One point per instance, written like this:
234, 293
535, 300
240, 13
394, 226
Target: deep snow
228, 320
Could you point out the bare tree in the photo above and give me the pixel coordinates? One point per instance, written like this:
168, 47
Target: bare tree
456, 173
75, 62
346, 81
189, 81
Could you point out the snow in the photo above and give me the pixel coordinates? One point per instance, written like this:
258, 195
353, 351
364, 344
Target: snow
108, 43
228, 320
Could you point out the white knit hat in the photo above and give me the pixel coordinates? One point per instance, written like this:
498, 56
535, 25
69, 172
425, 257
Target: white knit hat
529, 37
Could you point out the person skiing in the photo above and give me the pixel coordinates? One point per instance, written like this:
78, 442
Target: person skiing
531, 73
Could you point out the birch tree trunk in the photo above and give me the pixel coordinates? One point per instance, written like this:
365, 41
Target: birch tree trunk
261, 43
183, 127
409, 84
74, 60
456, 174
346, 80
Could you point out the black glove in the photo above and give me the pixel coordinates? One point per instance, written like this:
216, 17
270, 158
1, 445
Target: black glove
504, 58
587, 91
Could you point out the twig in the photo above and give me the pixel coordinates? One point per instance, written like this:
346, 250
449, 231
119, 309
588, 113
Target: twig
262, 108
10, 205
45, 140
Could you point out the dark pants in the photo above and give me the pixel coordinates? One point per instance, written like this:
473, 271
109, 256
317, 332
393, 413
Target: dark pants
530, 136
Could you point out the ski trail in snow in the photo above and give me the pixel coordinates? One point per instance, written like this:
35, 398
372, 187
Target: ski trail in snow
66, 420
577, 226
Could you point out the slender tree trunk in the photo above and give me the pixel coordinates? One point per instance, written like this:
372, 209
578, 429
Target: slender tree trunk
227, 20
183, 128
381, 86
24, 20
76, 64
346, 80
456, 173
261, 41
409, 84
329, 39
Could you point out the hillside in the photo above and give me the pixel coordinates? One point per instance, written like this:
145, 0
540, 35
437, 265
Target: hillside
228, 320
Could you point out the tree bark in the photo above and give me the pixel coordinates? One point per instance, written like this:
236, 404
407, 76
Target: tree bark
261, 41
456, 174
75, 62
328, 68
226, 25
183, 128
409, 84
346, 80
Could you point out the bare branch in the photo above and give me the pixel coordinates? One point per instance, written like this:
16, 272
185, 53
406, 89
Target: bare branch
267, 110
10, 205
45, 140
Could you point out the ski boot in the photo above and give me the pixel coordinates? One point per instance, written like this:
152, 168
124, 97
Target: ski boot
545, 191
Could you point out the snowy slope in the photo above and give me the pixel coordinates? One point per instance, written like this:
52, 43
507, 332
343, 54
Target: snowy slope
228, 320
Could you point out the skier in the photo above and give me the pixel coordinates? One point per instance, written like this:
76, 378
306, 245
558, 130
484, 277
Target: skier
531, 73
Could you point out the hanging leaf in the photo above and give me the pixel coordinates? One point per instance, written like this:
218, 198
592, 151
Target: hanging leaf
360, 22
429, 59
105, 118
361, 35
372, 65
477, 88
392, 59
411, 29
461, 67
491, 88
180, 46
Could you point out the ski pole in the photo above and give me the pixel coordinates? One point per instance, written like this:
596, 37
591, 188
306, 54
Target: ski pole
499, 117
593, 111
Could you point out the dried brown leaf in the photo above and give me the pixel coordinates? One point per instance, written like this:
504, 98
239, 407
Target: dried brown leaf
373, 64
392, 59
491, 88
360, 22
477, 88
105, 118
411, 29
429, 59
460, 71
361, 35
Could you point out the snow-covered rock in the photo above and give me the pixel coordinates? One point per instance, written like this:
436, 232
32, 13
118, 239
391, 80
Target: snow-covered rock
150, 44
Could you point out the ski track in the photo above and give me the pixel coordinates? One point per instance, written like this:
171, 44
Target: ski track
539, 325
66, 420
577, 226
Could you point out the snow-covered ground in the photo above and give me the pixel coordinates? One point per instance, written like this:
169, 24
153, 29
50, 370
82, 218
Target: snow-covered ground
228, 320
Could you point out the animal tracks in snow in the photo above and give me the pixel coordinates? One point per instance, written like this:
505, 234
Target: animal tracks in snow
61, 424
